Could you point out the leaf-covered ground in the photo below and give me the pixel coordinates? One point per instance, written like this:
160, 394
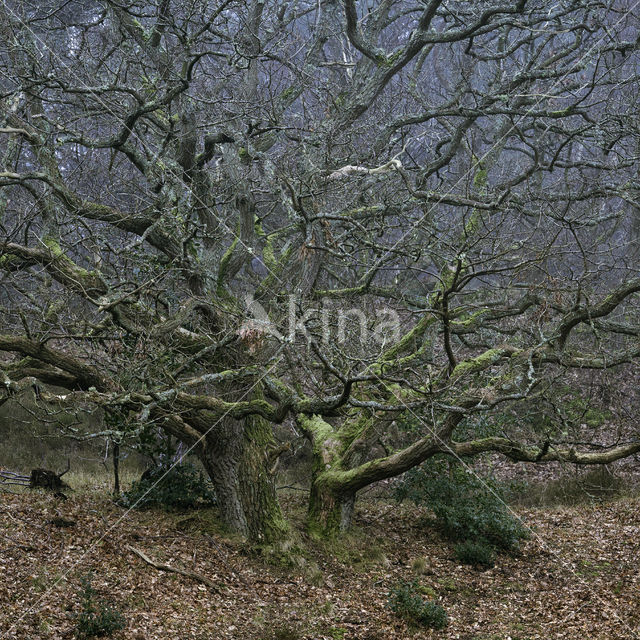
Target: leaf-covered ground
577, 577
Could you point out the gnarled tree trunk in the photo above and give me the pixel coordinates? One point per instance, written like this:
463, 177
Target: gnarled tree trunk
241, 471
330, 512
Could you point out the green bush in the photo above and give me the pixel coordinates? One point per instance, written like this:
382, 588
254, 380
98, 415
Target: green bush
181, 487
466, 507
96, 618
477, 554
406, 602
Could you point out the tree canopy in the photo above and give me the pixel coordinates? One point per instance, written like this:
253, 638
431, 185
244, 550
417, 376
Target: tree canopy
386, 224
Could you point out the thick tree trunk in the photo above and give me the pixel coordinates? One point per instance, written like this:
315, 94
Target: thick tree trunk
220, 458
329, 513
330, 507
265, 521
237, 461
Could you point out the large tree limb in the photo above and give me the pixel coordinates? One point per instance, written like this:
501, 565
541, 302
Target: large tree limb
139, 223
522, 453
588, 313
340, 481
86, 375
59, 265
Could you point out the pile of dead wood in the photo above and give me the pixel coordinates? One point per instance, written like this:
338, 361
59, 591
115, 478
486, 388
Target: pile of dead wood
37, 479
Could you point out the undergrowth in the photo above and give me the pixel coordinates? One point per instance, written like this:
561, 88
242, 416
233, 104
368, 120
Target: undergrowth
406, 602
181, 486
467, 508
97, 618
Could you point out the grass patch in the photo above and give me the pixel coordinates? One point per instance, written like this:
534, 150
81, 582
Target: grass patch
419, 565
284, 631
582, 487
353, 549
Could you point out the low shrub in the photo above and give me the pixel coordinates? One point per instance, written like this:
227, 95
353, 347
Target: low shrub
96, 618
182, 487
466, 507
406, 602
477, 554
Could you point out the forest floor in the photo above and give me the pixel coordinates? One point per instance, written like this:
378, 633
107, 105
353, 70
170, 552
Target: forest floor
578, 576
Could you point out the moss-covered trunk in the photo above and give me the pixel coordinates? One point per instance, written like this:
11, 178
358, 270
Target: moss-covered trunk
329, 512
331, 501
237, 460
265, 521
341, 469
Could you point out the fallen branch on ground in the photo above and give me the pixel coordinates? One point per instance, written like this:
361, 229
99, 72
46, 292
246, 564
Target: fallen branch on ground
165, 567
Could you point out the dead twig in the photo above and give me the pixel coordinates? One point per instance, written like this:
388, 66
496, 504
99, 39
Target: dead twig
18, 544
165, 567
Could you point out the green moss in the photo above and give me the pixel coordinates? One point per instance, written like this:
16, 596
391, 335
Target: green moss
53, 246
274, 264
428, 591
61, 257
320, 429
479, 363
470, 320
337, 633
472, 224
423, 324
323, 439
6, 261
289, 93
389, 61
338, 478
448, 584
394, 57
561, 113
268, 254
352, 429
480, 178
224, 263
52, 311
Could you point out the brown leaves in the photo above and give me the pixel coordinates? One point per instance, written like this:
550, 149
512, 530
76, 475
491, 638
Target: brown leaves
578, 577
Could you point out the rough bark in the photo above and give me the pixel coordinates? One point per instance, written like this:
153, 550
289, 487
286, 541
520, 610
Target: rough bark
330, 513
235, 459
265, 521
220, 459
